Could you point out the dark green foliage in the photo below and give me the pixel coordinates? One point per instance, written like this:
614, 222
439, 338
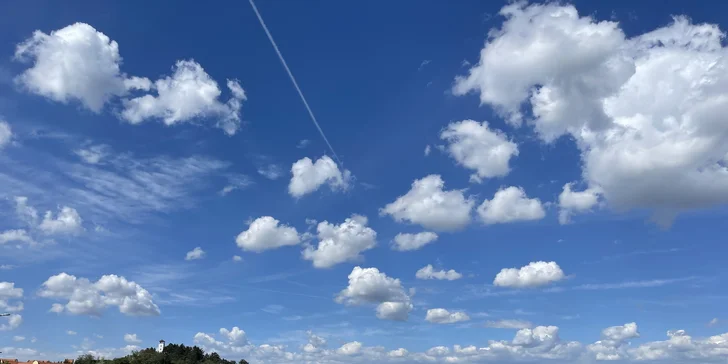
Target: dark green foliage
173, 354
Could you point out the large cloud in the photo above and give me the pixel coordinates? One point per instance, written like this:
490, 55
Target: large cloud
636, 121
369, 285
80, 63
341, 243
535, 274
510, 205
475, 146
190, 93
266, 233
91, 298
429, 205
73, 63
307, 176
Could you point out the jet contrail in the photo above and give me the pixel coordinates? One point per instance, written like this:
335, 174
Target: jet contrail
293, 79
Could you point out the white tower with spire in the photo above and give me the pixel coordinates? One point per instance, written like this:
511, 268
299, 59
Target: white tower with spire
160, 347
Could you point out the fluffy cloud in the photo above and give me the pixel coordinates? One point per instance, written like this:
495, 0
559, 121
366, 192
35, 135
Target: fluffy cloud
576, 201
636, 122
8, 293
265, 233
13, 322
67, 221
443, 316
194, 254
510, 205
189, 94
539, 344
341, 243
315, 343
307, 176
407, 242
235, 335
395, 311
427, 204
613, 344
87, 298
235, 342
428, 272
10, 301
73, 63
477, 147
509, 324
80, 63
6, 133
16, 235
351, 348
369, 285
535, 274
131, 339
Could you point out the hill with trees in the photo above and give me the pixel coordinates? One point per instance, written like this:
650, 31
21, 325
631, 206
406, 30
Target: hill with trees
172, 354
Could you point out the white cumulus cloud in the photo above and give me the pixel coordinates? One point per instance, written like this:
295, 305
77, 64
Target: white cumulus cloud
535, 274
308, 177
407, 242
76, 62
80, 63
91, 298
189, 94
429, 205
341, 243
428, 272
194, 254
476, 146
571, 202
266, 233
443, 316
66, 221
351, 348
636, 122
369, 285
510, 205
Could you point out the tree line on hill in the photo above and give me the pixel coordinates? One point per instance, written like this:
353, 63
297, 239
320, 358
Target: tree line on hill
172, 354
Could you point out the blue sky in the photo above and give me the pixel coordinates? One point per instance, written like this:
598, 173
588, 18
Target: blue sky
505, 182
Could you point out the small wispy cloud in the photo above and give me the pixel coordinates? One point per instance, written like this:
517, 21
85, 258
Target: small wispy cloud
236, 182
509, 324
424, 64
271, 171
303, 143
480, 291
635, 254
